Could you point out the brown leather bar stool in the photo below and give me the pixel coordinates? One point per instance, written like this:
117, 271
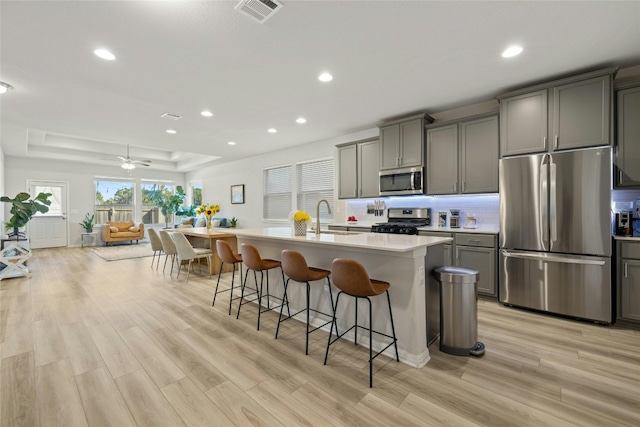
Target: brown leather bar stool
253, 261
352, 279
295, 268
226, 255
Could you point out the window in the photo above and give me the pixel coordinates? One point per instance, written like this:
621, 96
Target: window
196, 193
315, 182
114, 201
55, 208
151, 214
277, 193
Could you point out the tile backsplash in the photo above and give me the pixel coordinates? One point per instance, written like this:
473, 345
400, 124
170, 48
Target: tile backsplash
486, 207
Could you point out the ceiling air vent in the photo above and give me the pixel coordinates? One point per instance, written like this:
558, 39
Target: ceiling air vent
171, 116
260, 10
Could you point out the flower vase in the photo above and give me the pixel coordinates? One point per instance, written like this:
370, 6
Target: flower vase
300, 228
209, 223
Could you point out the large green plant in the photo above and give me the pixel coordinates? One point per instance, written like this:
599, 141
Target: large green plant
23, 209
167, 202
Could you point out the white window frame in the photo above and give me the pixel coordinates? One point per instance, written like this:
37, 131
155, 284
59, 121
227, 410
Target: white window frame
266, 195
303, 188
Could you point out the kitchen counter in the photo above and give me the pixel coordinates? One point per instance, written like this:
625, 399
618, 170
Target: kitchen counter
406, 262
480, 229
629, 238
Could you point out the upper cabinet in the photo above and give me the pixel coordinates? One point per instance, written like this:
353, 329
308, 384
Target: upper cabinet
462, 157
358, 169
570, 113
402, 142
627, 158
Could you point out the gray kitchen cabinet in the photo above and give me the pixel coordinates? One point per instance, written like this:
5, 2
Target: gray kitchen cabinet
402, 142
358, 167
629, 283
523, 123
627, 157
566, 114
476, 251
462, 158
347, 172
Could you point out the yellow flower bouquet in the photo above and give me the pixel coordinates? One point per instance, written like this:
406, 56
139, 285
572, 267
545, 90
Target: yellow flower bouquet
300, 220
208, 211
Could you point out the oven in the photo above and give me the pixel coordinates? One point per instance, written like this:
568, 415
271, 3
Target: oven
404, 221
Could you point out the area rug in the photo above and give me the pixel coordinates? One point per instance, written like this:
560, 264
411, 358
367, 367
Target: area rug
117, 253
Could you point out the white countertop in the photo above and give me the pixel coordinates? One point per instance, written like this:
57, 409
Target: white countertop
371, 241
480, 229
629, 238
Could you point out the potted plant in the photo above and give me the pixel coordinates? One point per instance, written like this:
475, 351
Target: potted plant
23, 209
87, 223
167, 202
233, 222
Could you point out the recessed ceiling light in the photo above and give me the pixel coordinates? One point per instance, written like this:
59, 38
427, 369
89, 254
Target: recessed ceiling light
301, 120
104, 54
171, 131
272, 130
207, 113
231, 143
5, 87
325, 77
511, 51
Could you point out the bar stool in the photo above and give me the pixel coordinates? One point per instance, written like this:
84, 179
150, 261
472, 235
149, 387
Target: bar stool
253, 261
352, 279
226, 255
295, 267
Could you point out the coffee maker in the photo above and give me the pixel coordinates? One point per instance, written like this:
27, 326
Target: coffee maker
624, 223
454, 218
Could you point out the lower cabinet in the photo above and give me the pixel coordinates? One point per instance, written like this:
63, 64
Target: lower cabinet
629, 283
475, 251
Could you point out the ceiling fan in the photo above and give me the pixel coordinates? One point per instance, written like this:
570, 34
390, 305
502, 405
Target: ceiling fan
129, 163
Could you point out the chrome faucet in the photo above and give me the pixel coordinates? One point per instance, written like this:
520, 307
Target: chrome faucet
318, 215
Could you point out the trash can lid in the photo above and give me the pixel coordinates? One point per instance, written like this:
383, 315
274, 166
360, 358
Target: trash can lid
451, 274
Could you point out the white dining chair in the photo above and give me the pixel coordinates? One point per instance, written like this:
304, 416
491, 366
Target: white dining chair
156, 246
186, 252
169, 249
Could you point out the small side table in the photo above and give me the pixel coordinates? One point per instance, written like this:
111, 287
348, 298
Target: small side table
13, 260
94, 234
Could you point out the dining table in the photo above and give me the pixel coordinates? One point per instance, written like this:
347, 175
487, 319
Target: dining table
203, 237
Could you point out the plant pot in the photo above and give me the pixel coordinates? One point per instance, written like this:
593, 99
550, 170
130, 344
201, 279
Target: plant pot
300, 228
88, 230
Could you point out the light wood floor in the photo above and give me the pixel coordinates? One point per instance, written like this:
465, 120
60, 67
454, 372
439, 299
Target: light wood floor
90, 342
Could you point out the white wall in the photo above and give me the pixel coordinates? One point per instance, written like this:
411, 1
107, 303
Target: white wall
2, 179
80, 178
217, 180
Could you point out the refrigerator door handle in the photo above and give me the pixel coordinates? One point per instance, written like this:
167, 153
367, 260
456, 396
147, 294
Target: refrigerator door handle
551, 258
543, 206
553, 218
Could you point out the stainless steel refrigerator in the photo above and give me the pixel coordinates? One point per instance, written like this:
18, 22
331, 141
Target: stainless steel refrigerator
555, 233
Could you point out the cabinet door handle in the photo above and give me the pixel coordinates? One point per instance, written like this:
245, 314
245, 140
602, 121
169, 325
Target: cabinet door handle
455, 186
457, 257
475, 241
544, 140
463, 186
555, 142
620, 176
626, 270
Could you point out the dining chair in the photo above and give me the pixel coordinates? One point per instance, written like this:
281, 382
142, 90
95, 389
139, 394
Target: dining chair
156, 246
169, 249
186, 252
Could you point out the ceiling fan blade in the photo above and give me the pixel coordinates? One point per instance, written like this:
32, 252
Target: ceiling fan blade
141, 161
124, 159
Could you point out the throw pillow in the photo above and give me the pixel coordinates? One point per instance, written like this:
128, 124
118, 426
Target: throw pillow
200, 222
134, 229
215, 223
114, 229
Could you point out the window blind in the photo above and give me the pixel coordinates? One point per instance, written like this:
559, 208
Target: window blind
277, 193
315, 182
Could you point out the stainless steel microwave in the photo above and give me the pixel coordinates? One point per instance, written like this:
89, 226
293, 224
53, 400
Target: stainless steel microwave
397, 182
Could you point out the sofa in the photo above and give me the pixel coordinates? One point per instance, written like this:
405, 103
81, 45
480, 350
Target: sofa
122, 231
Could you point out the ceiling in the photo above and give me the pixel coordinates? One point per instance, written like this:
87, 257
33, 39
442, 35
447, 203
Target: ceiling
388, 58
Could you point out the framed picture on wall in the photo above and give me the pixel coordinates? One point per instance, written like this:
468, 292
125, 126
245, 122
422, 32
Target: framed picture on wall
237, 194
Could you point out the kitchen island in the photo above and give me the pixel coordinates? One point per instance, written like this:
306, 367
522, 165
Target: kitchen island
404, 261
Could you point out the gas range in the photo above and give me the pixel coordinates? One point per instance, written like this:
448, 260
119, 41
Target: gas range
404, 221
